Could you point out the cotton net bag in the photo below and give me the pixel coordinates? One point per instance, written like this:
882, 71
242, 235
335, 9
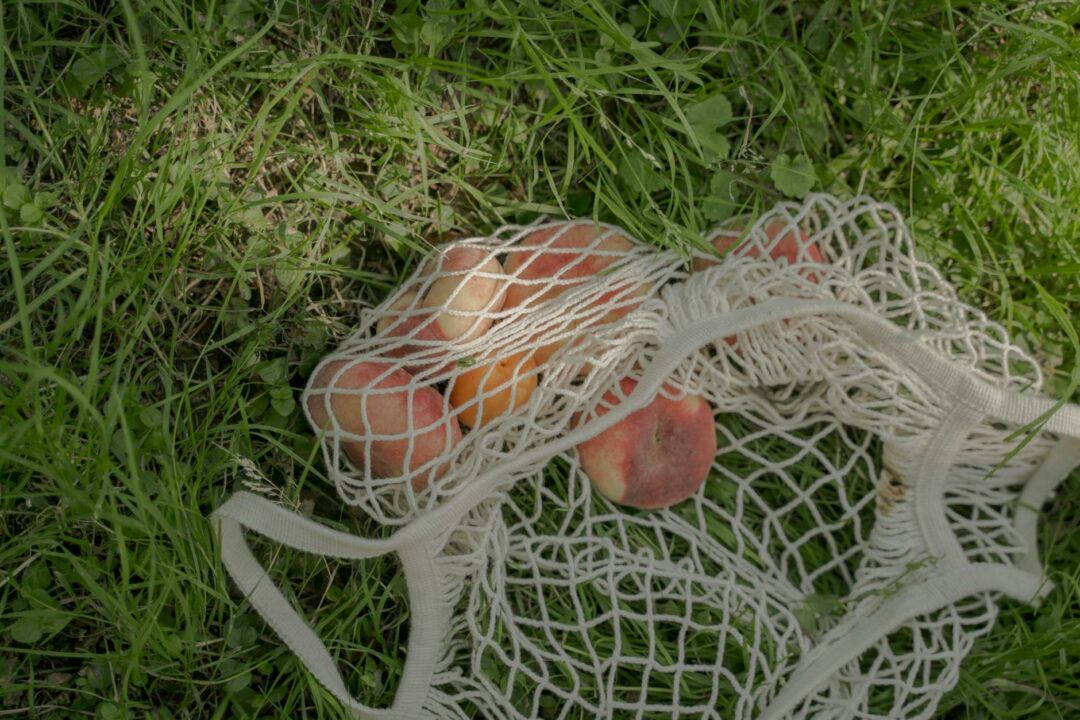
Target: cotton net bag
870, 501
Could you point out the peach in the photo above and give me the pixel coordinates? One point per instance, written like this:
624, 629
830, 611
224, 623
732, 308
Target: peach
487, 391
371, 405
395, 313
469, 289
655, 457
786, 247
404, 320
457, 307
530, 271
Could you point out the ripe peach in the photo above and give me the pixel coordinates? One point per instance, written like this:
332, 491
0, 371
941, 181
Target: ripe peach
406, 319
485, 392
655, 457
469, 289
395, 313
369, 405
532, 270
403, 320
457, 306
786, 247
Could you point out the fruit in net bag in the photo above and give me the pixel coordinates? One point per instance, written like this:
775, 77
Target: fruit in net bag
457, 307
654, 457
551, 261
490, 390
400, 427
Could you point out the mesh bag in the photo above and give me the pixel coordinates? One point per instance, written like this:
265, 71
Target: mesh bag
868, 504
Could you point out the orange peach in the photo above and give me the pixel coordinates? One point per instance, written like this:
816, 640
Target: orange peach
655, 457
487, 391
373, 399
786, 247
573, 257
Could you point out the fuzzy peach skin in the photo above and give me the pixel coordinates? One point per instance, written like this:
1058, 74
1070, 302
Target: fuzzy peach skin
403, 319
490, 390
575, 266
454, 308
464, 301
387, 413
786, 247
655, 457
399, 322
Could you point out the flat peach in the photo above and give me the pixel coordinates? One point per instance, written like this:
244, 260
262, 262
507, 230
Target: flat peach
655, 457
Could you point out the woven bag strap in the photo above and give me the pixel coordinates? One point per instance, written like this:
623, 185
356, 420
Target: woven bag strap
427, 618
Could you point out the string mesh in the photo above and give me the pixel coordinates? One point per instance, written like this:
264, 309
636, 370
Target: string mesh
566, 605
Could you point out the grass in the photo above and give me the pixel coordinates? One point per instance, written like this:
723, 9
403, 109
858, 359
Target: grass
198, 197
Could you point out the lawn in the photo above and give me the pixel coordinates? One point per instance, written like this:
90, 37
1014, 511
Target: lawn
197, 198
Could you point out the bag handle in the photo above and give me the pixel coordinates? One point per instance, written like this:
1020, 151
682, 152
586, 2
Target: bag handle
427, 621
850, 641
958, 384
1063, 458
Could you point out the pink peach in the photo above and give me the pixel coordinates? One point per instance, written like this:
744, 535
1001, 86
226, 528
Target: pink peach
373, 399
404, 319
542, 272
655, 457
786, 247
470, 288
579, 262
420, 332
458, 306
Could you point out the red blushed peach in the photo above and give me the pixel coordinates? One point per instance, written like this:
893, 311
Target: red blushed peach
403, 319
579, 262
655, 457
530, 271
786, 247
365, 401
395, 314
406, 319
470, 288
457, 307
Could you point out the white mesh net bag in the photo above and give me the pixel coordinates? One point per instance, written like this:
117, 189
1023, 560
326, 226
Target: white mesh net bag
866, 505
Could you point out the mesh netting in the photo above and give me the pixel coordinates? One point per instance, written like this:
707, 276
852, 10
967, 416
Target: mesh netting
845, 482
